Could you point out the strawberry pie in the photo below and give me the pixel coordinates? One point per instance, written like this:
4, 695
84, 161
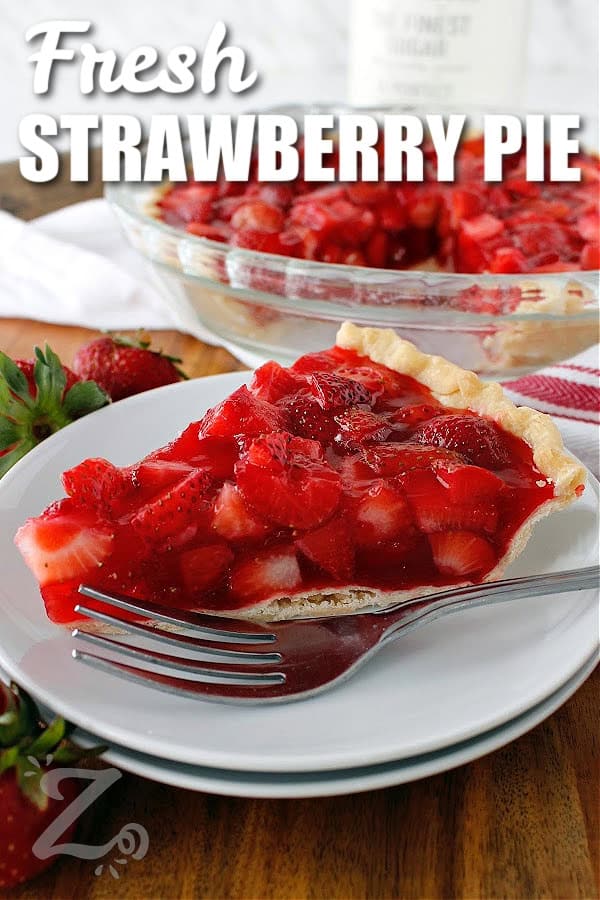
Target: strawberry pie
468, 226
361, 475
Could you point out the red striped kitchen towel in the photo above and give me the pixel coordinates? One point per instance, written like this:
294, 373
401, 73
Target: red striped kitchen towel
570, 392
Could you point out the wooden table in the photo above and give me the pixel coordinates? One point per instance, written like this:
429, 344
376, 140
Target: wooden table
520, 823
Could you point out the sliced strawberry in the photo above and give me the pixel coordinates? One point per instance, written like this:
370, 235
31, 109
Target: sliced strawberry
461, 553
508, 260
308, 419
467, 482
189, 202
278, 447
203, 567
367, 194
325, 361
590, 256
468, 254
219, 233
438, 506
98, 485
378, 249
483, 227
263, 242
365, 375
216, 455
285, 486
330, 547
183, 447
589, 226
60, 599
265, 575
271, 382
479, 439
154, 475
62, 544
413, 415
354, 472
232, 518
306, 447
258, 216
334, 391
358, 425
465, 204
271, 450
423, 208
382, 514
389, 460
275, 194
242, 413
177, 514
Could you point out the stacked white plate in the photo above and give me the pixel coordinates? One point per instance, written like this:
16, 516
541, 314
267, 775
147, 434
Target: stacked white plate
437, 698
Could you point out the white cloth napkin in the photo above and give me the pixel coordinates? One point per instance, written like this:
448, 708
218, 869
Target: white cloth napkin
74, 267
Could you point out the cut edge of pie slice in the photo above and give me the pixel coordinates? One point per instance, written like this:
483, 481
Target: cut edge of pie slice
457, 388
363, 476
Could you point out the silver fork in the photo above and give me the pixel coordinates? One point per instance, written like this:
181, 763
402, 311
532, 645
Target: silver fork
243, 662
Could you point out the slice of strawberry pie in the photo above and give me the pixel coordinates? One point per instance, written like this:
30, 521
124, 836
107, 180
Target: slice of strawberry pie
360, 476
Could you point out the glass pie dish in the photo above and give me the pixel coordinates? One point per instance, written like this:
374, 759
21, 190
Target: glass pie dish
282, 307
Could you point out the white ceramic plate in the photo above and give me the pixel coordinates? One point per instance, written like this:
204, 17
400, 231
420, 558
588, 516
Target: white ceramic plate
446, 683
295, 785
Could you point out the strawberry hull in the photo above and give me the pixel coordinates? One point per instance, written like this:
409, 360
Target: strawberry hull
335, 473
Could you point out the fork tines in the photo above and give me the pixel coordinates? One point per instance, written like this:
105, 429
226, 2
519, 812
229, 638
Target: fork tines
226, 651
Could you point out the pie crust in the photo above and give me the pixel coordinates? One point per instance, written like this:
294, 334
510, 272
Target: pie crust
457, 388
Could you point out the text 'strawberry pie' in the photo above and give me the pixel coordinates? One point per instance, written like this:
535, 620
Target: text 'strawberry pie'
362, 475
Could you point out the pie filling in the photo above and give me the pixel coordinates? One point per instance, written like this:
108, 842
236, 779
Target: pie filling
470, 225
335, 473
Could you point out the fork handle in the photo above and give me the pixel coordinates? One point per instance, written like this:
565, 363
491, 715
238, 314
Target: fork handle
412, 613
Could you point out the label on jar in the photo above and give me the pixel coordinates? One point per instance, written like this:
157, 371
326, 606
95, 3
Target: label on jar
447, 52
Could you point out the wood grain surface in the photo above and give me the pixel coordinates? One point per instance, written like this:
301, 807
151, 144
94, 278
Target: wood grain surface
519, 823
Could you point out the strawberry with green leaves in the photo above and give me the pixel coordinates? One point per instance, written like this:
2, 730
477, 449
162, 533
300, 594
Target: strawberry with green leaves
38, 398
29, 749
125, 366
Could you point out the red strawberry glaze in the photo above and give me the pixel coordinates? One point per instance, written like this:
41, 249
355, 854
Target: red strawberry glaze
469, 226
386, 489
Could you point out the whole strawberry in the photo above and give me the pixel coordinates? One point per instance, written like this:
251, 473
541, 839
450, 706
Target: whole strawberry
125, 366
37, 398
28, 749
